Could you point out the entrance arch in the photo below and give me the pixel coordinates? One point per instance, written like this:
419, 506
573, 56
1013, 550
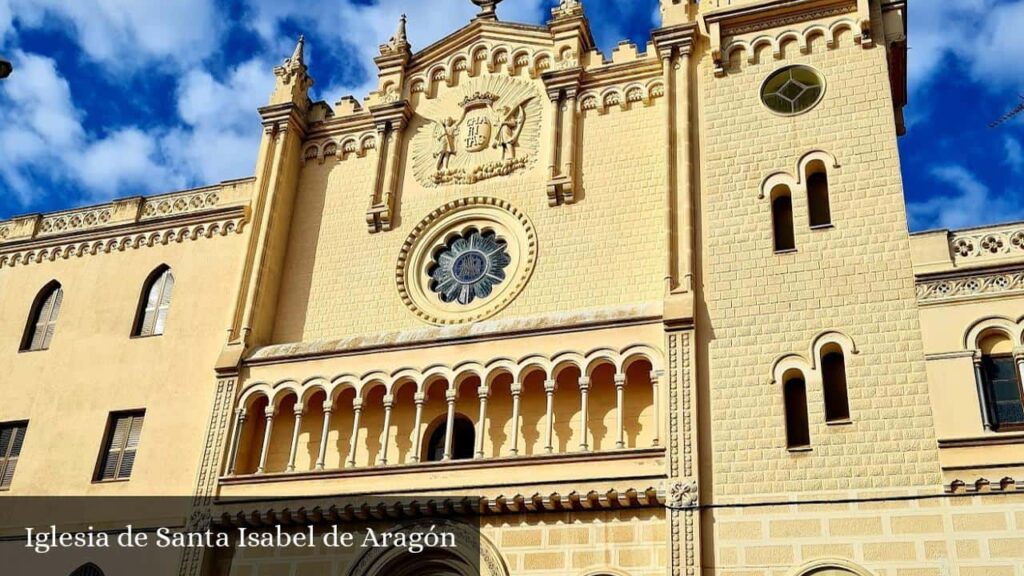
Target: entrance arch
89, 569
831, 567
462, 560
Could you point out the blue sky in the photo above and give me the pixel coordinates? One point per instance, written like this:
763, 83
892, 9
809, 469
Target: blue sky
116, 98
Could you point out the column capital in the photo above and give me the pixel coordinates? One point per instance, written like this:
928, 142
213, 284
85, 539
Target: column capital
550, 386
620, 380
328, 406
299, 410
584, 382
419, 398
389, 400
357, 404
270, 412
483, 392
451, 396
516, 389
657, 375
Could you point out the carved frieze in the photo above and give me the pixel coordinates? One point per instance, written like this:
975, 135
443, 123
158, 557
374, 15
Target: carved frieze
487, 128
973, 286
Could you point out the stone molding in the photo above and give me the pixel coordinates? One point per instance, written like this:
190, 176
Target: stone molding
967, 287
221, 223
987, 244
433, 336
363, 507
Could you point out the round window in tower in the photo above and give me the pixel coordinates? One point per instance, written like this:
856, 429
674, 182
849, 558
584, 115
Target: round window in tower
793, 90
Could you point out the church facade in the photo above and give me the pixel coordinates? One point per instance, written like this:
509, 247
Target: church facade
653, 312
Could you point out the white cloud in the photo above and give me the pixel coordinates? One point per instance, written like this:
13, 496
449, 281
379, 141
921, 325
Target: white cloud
127, 34
222, 130
44, 141
1014, 154
971, 204
982, 34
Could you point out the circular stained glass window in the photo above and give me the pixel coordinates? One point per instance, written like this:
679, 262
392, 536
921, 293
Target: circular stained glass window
468, 267
793, 90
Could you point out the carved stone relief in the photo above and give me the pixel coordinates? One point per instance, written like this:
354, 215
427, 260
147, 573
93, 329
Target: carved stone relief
489, 127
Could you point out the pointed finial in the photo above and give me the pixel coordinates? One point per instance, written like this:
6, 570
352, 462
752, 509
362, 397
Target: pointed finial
567, 8
298, 56
487, 9
400, 35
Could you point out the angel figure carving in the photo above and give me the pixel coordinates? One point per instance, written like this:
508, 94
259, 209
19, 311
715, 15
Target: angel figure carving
509, 129
445, 133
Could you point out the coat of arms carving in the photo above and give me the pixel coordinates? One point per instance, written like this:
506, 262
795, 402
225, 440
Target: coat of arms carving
489, 128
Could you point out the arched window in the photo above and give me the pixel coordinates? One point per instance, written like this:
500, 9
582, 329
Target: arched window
42, 320
1002, 387
818, 208
782, 219
463, 440
833, 377
154, 304
798, 433
89, 569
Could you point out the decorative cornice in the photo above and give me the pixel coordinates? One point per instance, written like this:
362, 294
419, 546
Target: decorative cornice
480, 331
981, 485
355, 509
222, 222
968, 287
991, 243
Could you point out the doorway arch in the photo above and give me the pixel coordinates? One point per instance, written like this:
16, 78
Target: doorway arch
830, 567
459, 561
88, 569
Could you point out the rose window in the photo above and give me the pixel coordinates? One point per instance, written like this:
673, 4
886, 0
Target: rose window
468, 267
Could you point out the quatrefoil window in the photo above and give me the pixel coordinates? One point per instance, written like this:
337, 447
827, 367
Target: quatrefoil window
469, 266
793, 90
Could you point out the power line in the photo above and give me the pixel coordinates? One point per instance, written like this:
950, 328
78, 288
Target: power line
1009, 115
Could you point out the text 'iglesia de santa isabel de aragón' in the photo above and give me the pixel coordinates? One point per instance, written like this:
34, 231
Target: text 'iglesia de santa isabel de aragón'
642, 313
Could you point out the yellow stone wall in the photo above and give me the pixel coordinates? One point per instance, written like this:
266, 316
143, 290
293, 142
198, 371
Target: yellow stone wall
67, 392
855, 278
876, 530
606, 250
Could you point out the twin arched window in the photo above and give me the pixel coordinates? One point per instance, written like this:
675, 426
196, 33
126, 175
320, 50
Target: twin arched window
1001, 386
818, 207
834, 390
150, 318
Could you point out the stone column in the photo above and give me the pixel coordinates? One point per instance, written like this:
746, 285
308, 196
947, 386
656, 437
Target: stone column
481, 425
620, 388
324, 432
295, 437
236, 438
569, 136
357, 408
389, 403
266, 440
449, 429
549, 391
517, 392
979, 381
584, 405
419, 398
656, 376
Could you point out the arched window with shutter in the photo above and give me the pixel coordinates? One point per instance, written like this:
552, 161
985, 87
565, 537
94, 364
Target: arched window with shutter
154, 304
1002, 386
782, 219
798, 433
833, 377
818, 205
42, 320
